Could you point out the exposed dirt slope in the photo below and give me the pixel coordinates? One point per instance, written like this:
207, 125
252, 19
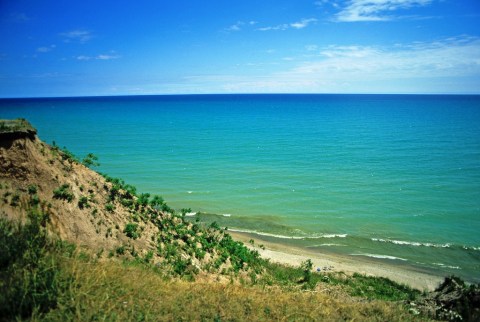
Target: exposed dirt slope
28, 164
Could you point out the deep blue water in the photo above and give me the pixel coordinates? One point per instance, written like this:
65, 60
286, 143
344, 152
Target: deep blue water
386, 176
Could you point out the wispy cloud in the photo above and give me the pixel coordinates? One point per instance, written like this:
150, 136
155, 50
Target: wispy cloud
79, 35
303, 23
239, 25
447, 65
449, 57
277, 27
98, 57
296, 25
18, 17
107, 57
46, 49
375, 10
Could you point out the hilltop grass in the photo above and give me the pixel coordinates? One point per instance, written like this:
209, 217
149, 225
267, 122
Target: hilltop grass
17, 125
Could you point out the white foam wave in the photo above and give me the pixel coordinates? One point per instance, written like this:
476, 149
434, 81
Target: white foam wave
288, 237
409, 243
332, 236
447, 266
227, 215
190, 214
380, 256
471, 248
322, 245
266, 234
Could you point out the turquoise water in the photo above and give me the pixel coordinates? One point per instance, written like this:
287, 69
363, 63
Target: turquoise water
393, 177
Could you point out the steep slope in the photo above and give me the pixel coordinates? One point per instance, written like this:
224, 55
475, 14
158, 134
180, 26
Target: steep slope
101, 213
28, 164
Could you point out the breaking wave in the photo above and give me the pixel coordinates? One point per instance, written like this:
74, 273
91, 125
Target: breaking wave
409, 243
381, 256
287, 237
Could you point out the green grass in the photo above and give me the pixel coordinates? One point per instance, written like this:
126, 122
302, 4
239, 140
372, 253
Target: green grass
31, 277
17, 125
372, 288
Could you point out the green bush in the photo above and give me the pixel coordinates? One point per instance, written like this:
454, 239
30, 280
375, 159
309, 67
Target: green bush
131, 230
63, 192
34, 200
143, 199
120, 250
109, 207
68, 156
32, 189
14, 202
90, 160
83, 202
156, 201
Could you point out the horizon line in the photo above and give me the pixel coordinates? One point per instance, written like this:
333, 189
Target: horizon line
232, 94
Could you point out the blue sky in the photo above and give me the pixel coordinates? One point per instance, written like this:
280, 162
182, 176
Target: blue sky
77, 48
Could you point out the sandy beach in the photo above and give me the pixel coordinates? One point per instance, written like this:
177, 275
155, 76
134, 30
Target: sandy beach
286, 254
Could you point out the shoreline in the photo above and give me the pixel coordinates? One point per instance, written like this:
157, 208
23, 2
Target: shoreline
291, 255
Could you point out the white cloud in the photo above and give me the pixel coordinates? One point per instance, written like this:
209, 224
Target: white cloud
79, 35
375, 10
277, 27
98, 57
46, 49
107, 57
235, 27
82, 57
238, 26
303, 23
296, 25
450, 57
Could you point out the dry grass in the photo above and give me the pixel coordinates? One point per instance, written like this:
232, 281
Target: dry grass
111, 291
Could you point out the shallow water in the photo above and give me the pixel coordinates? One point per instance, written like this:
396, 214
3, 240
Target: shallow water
395, 177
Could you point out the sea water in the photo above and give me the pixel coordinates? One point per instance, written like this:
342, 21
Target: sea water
390, 177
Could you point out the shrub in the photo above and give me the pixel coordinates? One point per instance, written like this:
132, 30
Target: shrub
63, 193
32, 189
34, 200
109, 207
90, 160
68, 156
120, 250
15, 200
131, 230
156, 201
83, 202
143, 199
306, 268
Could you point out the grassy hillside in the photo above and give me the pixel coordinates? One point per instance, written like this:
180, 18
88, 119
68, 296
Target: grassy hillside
45, 279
